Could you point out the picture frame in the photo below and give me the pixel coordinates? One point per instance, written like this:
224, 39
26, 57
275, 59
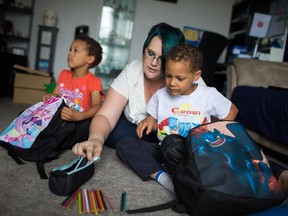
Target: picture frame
18, 51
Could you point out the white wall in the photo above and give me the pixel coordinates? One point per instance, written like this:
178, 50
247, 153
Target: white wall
205, 14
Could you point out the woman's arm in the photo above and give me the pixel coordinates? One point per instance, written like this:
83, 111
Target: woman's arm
102, 124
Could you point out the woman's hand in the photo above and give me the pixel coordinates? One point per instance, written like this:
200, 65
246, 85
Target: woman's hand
147, 124
90, 149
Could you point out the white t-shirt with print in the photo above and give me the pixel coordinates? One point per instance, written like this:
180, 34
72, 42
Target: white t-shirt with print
178, 114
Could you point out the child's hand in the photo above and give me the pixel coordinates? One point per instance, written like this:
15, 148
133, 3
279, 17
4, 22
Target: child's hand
46, 97
148, 124
70, 114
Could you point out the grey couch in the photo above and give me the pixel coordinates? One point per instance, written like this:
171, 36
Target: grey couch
256, 73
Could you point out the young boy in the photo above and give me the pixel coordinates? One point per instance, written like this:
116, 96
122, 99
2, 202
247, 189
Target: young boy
81, 90
182, 105
176, 108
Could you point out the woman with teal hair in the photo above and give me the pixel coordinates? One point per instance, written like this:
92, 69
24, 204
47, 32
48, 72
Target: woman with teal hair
125, 104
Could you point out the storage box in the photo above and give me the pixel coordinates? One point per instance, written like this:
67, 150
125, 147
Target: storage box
29, 88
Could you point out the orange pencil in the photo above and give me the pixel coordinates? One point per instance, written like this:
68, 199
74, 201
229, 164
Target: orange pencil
100, 200
90, 201
103, 200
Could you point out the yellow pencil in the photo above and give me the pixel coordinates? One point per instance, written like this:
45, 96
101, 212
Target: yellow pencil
94, 202
79, 202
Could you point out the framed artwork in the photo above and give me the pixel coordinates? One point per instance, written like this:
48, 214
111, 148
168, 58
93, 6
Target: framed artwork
44, 52
46, 37
18, 51
43, 65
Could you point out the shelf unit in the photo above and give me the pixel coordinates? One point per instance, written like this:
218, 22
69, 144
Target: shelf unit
17, 28
241, 19
115, 35
46, 47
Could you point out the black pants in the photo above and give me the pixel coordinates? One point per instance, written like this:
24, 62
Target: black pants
144, 158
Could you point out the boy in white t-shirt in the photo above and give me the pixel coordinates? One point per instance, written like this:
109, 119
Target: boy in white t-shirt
175, 109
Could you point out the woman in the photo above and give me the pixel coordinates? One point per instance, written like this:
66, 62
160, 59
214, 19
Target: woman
125, 103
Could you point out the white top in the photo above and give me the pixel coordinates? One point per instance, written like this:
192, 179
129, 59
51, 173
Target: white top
130, 84
178, 114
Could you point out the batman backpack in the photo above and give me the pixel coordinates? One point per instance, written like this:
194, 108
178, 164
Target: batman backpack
218, 170
39, 134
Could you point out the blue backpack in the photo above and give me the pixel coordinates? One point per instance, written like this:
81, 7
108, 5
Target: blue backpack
219, 170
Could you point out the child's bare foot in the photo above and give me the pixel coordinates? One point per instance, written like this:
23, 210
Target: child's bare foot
283, 181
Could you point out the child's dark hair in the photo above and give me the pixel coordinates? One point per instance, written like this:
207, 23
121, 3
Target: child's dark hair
187, 53
93, 48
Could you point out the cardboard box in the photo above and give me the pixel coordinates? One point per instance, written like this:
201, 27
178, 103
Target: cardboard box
29, 88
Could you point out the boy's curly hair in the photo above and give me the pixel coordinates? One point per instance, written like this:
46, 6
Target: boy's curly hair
187, 53
93, 49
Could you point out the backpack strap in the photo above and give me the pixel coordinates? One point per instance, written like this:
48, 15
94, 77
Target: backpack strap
15, 158
175, 205
41, 169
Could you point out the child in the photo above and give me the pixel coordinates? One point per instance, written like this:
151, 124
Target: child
175, 109
81, 90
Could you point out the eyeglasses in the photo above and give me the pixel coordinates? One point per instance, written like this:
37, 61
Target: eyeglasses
150, 54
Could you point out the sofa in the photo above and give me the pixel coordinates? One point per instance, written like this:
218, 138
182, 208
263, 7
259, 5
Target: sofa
259, 89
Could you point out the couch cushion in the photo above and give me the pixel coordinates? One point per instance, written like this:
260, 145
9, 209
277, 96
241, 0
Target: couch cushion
252, 72
263, 110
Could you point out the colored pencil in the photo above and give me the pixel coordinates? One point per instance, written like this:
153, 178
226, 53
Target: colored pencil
109, 201
86, 202
123, 202
90, 201
72, 203
83, 201
80, 202
64, 201
94, 202
70, 199
103, 200
100, 201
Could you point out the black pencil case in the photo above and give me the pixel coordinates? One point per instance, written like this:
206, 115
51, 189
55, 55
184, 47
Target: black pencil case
66, 179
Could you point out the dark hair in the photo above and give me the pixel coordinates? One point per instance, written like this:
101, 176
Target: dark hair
187, 53
170, 36
93, 49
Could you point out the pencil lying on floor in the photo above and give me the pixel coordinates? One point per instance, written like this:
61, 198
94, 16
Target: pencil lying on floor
109, 202
123, 202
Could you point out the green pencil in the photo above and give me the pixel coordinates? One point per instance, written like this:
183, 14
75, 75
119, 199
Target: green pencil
123, 202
